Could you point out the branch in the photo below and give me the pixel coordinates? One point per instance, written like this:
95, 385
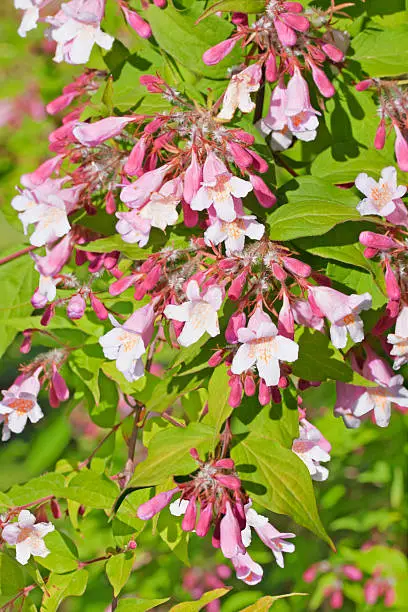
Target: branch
17, 254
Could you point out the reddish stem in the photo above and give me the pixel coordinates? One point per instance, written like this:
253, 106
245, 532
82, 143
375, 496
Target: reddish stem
17, 254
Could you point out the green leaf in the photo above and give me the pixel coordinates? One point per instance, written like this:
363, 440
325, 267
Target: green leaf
319, 360
92, 490
382, 52
313, 209
178, 34
169, 455
196, 606
61, 586
18, 280
11, 575
135, 604
278, 480
358, 281
218, 393
63, 554
265, 603
115, 243
240, 6
126, 524
118, 569
48, 484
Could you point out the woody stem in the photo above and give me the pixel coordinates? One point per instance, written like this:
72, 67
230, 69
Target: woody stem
17, 254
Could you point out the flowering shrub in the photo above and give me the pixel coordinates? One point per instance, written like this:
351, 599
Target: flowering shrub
197, 295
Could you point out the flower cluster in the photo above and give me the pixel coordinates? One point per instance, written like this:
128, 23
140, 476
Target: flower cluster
214, 499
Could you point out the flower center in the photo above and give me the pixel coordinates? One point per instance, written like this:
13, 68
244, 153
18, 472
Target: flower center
348, 319
21, 405
381, 195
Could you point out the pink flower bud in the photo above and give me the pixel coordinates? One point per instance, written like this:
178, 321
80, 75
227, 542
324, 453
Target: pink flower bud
110, 204
204, 521
152, 507
283, 382
271, 69
76, 307
278, 272
370, 252
52, 398
243, 136
286, 321
216, 358
310, 574
333, 52
240, 156
190, 217
297, 267
295, 21
391, 284
239, 19
389, 597
275, 395
98, 308
249, 386
57, 105
371, 592
59, 385
153, 277
223, 571
122, 284
189, 519
140, 291
363, 85
134, 162
160, 3
352, 572
26, 343
237, 286
235, 395
237, 320
192, 179
336, 600
48, 314
55, 509
264, 393
262, 192
379, 140
218, 52
377, 241
401, 149
132, 545
322, 82
38, 300
93, 134
225, 464
259, 164
293, 7
230, 534
231, 482
139, 25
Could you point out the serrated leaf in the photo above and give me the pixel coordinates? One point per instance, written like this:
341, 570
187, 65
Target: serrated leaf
278, 480
196, 606
118, 569
240, 6
168, 454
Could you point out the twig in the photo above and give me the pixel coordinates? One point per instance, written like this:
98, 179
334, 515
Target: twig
260, 97
98, 446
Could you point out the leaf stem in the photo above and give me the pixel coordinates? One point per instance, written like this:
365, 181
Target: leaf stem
17, 254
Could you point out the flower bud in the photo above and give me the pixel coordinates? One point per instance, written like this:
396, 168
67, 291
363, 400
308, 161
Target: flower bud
216, 358
391, 284
236, 321
76, 307
363, 85
190, 516
264, 393
139, 25
204, 521
377, 241
237, 286
333, 52
352, 572
152, 507
271, 69
249, 386
218, 52
98, 308
55, 508
379, 140
59, 385
262, 192
235, 395
297, 267
110, 204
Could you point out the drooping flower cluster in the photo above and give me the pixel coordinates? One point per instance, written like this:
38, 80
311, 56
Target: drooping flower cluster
288, 41
393, 111
214, 499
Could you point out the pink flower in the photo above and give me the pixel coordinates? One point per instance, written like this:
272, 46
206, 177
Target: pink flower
247, 570
401, 149
312, 448
27, 536
218, 188
230, 534
136, 194
31, 14
128, 342
233, 233
276, 122
93, 134
76, 28
380, 197
301, 116
76, 307
133, 228
263, 347
55, 258
238, 92
161, 208
262, 192
304, 315
199, 313
342, 311
192, 179
20, 402
270, 536
399, 339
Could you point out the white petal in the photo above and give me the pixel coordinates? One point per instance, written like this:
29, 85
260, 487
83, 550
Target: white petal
243, 360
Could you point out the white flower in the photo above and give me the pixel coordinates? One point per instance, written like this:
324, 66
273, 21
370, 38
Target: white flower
263, 347
27, 536
380, 399
30, 17
127, 343
48, 287
19, 403
380, 197
309, 448
400, 339
233, 233
161, 209
238, 92
199, 313
178, 507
